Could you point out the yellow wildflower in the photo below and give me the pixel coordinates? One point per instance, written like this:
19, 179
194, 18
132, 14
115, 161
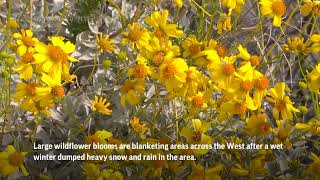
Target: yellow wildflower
99, 137
54, 89
24, 67
282, 103
11, 161
197, 135
315, 47
11, 23
25, 41
243, 54
201, 173
105, 44
26, 94
172, 73
314, 79
141, 129
314, 167
137, 36
296, 45
162, 29
233, 5
192, 47
235, 107
131, 91
100, 105
55, 55
310, 7
312, 126
275, 9
224, 24
141, 70
92, 171
257, 124
282, 132
157, 51
222, 72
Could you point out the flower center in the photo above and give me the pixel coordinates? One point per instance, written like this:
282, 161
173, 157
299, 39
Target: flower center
28, 41
16, 159
58, 91
189, 75
198, 101
228, 69
280, 105
159, 34
279, 8
241, 108
105, 44
316, 9
140, 71
31, 90
99, 106
27, 57
255, 60
135, 33
194, 48
246, 85
57, 54
262, 83
158, 58
264, 127
127, 86
196, 136
170, 70
221, 50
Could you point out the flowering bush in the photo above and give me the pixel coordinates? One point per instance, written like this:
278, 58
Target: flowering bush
161, 72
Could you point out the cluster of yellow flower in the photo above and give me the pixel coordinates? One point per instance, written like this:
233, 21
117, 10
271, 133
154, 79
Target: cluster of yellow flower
44, 69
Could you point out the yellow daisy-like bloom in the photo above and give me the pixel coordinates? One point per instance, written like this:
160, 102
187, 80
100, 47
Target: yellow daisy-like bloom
105, 44
25, 41
194, 81
310, 7
224, 24
282, 132
312, 126
54, 90
55, 55
141, 129
282, 103
314, 167
11, 161
235, 107
296, 45
141, 70
314, 79
100, 105
24, 67
192, 47
222, 72
261, 85
315, 47
257, 124
157, 51
199, 101
26, 94
100, 137
163, 29
172, 73
137, 36
196, 135
275, 9
243, 54
201, 173
131, 91
12, 23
